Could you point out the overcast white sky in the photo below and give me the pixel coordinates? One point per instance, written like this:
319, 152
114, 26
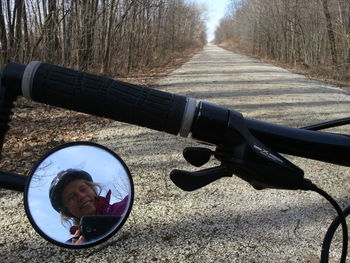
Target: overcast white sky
216, 10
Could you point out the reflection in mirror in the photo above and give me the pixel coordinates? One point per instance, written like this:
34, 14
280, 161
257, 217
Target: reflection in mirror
79, 195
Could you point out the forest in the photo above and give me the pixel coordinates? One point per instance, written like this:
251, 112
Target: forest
313, 34
109, 37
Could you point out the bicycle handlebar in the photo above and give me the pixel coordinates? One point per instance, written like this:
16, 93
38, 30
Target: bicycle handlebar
75, 90
160, 110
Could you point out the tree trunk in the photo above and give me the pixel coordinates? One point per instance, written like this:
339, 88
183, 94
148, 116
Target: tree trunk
11, 24
18, 32
330, 31
3, 38
26, 44
348, 35
132, 39
106, 55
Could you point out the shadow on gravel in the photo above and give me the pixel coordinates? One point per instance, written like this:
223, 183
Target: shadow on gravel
261, 227
230, 225
293, 80
229, 72
214, 63
296, 123
260, 92
303, 105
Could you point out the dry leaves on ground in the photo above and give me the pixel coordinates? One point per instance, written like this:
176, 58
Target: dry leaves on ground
36, 128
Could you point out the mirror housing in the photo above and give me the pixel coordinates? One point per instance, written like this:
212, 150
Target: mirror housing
78, 195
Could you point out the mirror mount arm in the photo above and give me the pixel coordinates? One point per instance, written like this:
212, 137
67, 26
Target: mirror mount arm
16, 182
8, 95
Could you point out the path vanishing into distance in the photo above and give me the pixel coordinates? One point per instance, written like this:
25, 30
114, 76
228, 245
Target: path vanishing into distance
227, 221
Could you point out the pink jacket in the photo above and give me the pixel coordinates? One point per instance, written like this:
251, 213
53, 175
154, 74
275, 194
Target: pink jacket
104, 208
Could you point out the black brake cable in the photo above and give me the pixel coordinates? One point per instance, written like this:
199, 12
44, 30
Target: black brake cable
308, 185
330, 233
328, 124
340, 219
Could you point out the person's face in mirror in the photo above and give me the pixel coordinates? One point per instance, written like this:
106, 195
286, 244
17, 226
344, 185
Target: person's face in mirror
79, 198
74, 195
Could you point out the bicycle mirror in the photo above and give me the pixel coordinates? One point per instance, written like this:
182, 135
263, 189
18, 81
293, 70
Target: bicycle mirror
78, 195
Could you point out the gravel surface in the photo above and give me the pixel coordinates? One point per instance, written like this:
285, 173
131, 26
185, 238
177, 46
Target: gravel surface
227, 221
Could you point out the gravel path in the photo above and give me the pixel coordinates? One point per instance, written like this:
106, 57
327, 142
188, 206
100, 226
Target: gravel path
227, 221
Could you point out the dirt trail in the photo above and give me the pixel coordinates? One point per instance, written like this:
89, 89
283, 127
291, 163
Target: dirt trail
227, 221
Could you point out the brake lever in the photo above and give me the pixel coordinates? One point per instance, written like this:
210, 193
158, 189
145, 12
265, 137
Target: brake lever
254, 162
190, 181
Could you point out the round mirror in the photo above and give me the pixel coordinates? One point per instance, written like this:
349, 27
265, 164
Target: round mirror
78, 195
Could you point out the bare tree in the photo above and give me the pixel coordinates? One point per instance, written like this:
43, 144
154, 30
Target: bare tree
3, 37
330, 31
314, 33
112, 37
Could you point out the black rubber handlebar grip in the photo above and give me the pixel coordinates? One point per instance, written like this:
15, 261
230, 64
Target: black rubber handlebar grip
103, 97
